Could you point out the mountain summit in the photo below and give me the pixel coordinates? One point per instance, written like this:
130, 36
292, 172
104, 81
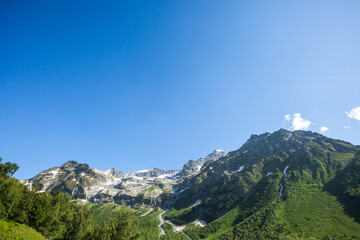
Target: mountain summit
192, 167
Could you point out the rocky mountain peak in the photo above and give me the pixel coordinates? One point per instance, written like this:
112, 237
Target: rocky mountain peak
277, 141
114, 172
215, 155
192, 167
71, 163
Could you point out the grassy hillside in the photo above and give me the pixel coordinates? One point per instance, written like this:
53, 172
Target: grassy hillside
312, 212
16, 231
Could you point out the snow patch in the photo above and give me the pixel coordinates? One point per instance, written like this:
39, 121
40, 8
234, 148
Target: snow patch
55, 173
198, 202
98, 171
239, 170
176, 228
199, 223
107, 172
183, 190
137, 178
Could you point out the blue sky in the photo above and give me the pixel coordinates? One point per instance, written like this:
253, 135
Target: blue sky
139, 84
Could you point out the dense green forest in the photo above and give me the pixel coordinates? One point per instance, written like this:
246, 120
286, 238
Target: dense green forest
54, 215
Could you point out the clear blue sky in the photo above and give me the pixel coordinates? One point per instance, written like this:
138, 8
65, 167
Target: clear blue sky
139, 84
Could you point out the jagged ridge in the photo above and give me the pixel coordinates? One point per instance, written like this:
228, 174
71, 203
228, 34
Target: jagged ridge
142, 187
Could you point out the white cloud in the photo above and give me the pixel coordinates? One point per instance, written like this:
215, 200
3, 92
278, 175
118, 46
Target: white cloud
287, 117
354, 113
323, 129
347, 127
299, 123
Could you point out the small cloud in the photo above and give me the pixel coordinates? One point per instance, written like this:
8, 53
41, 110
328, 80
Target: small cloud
347, 127
297, 122
323, 129
287, 117
354, 113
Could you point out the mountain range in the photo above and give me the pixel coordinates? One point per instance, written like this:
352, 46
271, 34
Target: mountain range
297, 184
92, 185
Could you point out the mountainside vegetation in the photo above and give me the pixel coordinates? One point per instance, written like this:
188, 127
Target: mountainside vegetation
240, 192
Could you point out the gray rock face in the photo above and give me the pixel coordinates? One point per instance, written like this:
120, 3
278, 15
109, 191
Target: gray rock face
191, 167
